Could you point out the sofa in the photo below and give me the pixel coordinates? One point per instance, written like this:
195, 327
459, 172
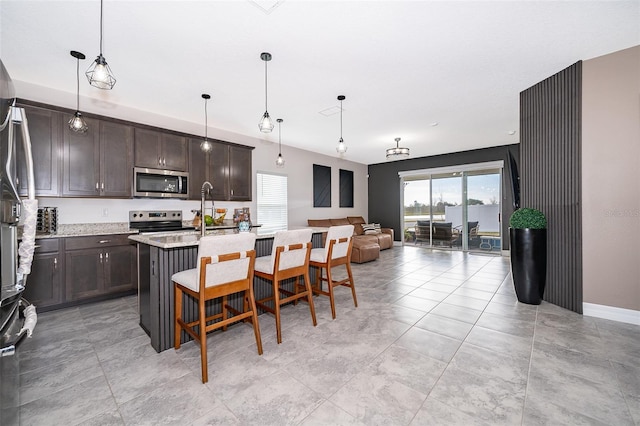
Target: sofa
366, 247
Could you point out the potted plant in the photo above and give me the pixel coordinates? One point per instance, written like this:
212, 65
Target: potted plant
528, 238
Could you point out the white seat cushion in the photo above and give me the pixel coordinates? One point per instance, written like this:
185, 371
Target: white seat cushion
264, 264
318, 255
187, 278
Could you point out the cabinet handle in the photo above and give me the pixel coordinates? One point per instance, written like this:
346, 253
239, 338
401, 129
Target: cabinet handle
102, 186
97, 186
153, 268
159, 161
232, 192
17, 181
36, 246
106, 257
55, 263
103, 241
164, 161
100, 257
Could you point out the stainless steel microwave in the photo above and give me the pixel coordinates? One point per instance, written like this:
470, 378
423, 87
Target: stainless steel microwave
155, 183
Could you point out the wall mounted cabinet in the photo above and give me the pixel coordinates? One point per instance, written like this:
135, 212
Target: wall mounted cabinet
98, 162
46, 137
159, 150
226, 167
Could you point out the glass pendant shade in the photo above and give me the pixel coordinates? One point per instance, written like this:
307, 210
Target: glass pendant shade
265, 125
341, 148
77, 123
398, 151
99, 74
205, 145
280, 159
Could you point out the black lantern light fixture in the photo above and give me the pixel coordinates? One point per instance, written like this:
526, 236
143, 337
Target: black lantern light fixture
99, 74
205, 145
341, 148
279, 160
265, 125
77, 123
398, 151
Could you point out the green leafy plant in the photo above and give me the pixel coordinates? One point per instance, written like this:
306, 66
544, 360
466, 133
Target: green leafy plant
528, 218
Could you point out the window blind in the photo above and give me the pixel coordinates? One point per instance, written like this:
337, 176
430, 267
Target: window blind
272, 202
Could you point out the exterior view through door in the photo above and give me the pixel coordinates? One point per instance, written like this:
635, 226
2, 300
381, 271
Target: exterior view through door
455, 208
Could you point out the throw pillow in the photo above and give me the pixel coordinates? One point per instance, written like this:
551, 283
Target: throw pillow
378, 228
369, 228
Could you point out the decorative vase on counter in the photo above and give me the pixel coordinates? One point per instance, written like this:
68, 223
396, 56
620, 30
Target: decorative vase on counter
244, 226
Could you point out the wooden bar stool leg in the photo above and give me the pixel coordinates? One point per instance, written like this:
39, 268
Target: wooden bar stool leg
352, 285
331, 299
177, 298
276, 307
202, 336
225, 312
307, 285
251, 301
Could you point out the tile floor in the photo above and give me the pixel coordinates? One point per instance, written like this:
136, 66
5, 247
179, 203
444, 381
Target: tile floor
438, 339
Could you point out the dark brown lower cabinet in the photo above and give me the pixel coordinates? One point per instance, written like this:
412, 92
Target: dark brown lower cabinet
44, 284
99, 266
69, 271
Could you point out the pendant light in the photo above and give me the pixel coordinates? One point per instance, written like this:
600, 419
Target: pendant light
99, 74
397, 152
341, 148
279, 160
205, 145
77, 123
265, 125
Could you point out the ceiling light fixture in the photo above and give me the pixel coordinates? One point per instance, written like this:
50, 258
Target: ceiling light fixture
397, 152
341, 148
99, 74
205, 145
265, 125
77, 123
279, 160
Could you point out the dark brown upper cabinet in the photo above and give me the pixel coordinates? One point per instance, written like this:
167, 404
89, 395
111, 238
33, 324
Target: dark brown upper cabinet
98, 163
46, 145
158, 150
226, 167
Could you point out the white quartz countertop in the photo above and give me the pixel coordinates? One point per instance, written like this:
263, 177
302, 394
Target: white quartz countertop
168, 240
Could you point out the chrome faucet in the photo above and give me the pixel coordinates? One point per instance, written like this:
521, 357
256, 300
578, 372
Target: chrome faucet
206, 188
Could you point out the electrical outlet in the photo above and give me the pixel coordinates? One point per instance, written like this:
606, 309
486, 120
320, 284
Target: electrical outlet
105, 212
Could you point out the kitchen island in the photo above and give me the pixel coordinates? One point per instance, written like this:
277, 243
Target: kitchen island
161, 255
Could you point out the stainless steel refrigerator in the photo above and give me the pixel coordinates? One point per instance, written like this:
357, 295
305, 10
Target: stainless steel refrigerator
17, 318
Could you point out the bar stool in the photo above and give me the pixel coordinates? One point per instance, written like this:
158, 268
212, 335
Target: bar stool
225, 266
336, 252
289, 259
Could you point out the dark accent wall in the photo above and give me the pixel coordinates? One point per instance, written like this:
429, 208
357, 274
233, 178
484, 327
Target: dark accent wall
550, 177
384, 184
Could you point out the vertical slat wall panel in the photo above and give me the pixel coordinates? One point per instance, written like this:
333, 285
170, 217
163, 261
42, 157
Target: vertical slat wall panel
550, 180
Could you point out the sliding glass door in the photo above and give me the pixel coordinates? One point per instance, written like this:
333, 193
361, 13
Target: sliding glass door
454, 207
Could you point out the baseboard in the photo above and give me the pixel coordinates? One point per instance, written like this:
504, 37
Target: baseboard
611, 313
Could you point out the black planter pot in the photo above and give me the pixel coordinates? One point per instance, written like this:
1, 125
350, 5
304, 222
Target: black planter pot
529, 263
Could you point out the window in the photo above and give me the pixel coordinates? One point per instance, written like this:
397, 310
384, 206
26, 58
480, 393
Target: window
272, 202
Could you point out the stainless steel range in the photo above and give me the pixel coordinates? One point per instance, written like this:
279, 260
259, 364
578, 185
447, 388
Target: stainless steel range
157, 221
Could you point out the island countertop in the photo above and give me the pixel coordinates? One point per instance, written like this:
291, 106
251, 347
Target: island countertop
168, 240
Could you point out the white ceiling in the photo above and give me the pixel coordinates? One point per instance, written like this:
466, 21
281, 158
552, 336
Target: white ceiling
402, 65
